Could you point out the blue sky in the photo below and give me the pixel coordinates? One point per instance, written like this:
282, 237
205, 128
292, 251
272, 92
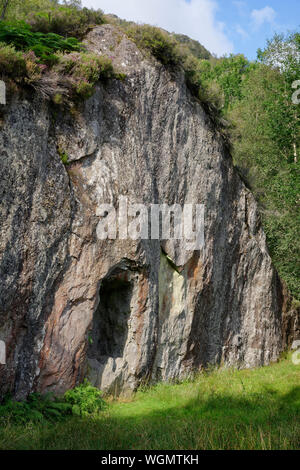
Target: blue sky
250, 23
223, 26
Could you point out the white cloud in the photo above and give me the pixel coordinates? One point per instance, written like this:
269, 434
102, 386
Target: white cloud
242, 32
196, 18
265, 15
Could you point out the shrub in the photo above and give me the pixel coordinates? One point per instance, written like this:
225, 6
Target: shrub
65, 20
86, 65
25, 55
49, 16
191, 69
12, 62
23, 67
34, 69
83, 70
156, 41
85, 400
212, 93
192, 47
74, 77
37, 408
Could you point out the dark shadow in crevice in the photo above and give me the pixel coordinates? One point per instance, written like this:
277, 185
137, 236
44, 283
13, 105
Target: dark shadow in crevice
110, 323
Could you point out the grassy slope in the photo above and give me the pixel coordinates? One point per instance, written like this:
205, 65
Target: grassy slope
251, 409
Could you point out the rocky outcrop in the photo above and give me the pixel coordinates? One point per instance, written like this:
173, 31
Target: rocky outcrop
126, 311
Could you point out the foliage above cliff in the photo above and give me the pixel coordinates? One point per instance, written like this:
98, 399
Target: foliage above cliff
190, 45
45, 26
21, 37
49, 16
160, 44
58, 76
35, 49
194, 47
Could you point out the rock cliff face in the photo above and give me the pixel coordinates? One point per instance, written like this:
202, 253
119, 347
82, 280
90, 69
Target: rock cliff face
122, 311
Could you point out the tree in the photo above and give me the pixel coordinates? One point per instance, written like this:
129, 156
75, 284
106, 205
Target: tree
283, 53
257, 102
265, 134
4, 9
19, 9
229, 74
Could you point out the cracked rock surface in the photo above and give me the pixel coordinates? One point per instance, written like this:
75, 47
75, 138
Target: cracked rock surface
123, 312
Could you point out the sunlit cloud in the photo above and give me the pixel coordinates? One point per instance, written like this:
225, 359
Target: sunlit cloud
264, 15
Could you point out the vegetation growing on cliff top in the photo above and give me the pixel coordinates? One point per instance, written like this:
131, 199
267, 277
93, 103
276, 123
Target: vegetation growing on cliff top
224, 409
36, 42
50, 16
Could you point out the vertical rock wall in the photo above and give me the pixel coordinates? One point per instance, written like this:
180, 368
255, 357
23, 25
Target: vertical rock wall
126, 311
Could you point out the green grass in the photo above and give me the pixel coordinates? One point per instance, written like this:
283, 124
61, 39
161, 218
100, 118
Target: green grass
225, 409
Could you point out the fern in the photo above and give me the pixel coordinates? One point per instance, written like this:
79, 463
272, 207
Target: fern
43, 45
84, 400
